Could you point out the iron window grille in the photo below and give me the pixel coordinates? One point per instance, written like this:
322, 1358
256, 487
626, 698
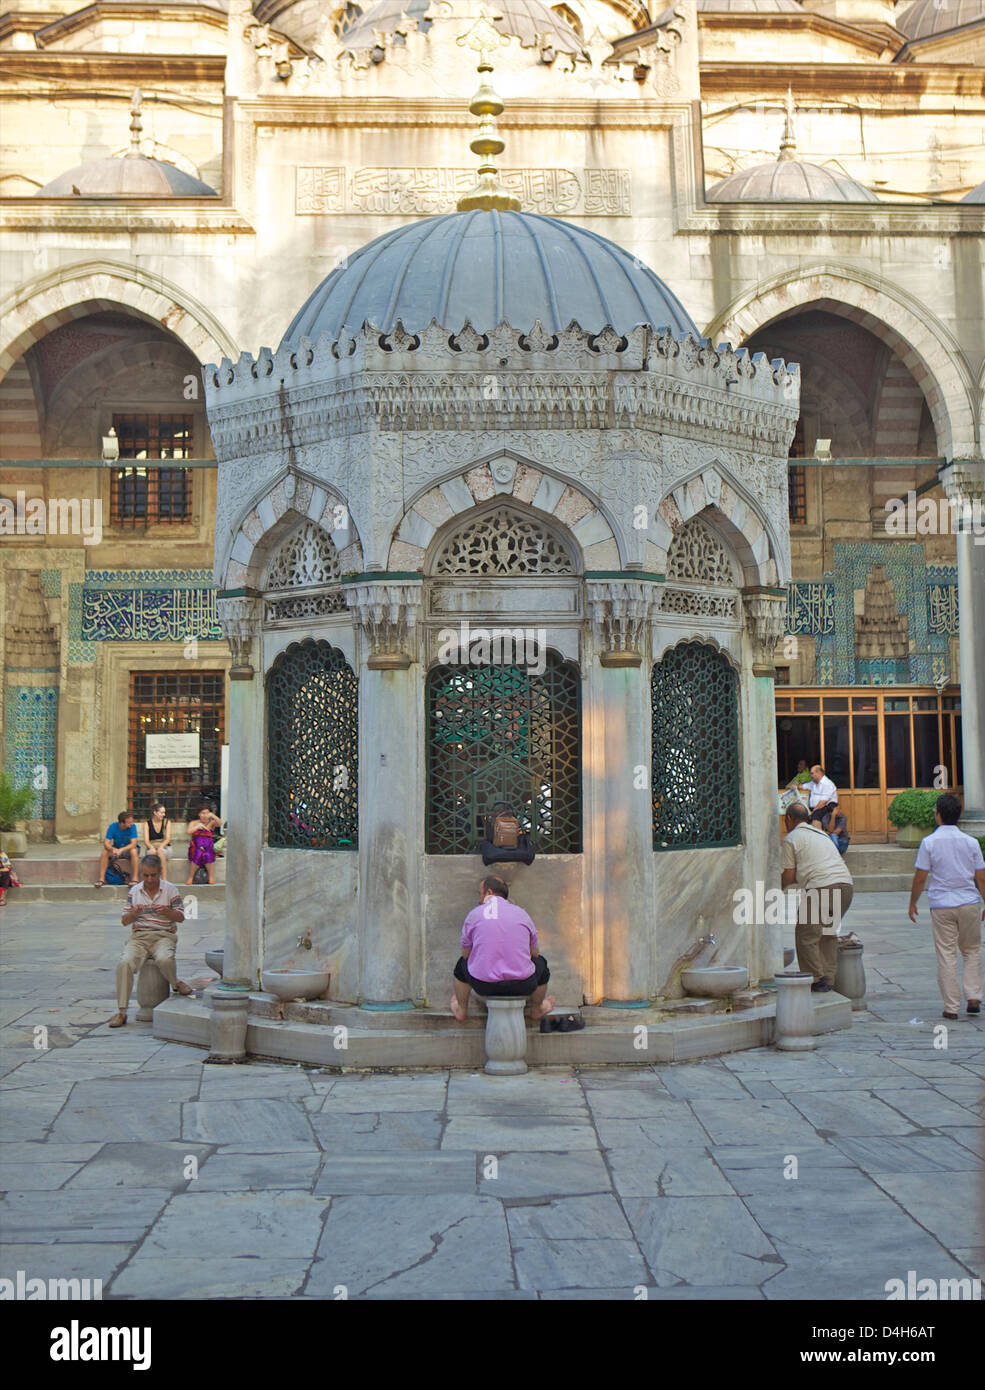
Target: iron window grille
150, 496
695, 749
502, 733
313, 749
175, 702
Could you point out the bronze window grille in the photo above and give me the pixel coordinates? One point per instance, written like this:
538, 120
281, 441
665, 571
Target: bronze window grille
797, 494
175, 702
503, 733
151, 496
695, 749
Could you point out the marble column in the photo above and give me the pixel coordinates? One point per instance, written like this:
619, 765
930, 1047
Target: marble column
618, 826
240, 618
964, 484
764, 613
391, 925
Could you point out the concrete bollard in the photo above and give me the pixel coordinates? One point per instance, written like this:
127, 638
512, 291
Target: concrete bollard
506, 1037
794, 1030
227, 1025
152, 989
850, 975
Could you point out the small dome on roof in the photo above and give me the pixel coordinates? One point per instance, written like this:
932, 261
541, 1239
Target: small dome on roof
929, 17
528, 20
485, 267
126, 176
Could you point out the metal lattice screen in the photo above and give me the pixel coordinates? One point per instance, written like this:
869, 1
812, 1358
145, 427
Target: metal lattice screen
695, 771
501, 733
313, 744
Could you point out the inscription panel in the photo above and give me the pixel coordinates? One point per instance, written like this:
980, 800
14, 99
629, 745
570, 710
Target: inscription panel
392, 190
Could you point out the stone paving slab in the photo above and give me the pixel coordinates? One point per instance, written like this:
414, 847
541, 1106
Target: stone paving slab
930, 1153
372, 1093
199, 1277
951, 1209
548, 1264
138, 1165
531, 1175
224, 1172
56, 1217
400, 1174
568, 1218
394, 1131
493, 1133
701, 1240
272, 1225
667, 1171
77, 1260
262, 1123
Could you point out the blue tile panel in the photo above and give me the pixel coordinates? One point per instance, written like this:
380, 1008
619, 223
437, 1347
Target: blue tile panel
140, 606
30, 743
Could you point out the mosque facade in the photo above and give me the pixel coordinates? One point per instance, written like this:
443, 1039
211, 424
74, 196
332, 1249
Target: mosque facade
801, 183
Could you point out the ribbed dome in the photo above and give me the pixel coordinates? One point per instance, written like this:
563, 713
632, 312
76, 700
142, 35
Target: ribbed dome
789, 181
977, 195
750, 7
526, 19
127, 176
487, 267
929, 17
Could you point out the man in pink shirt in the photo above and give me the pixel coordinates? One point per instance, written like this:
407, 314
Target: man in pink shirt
499, 954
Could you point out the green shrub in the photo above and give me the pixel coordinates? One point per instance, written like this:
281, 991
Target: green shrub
981, 841
914, 807
15, 803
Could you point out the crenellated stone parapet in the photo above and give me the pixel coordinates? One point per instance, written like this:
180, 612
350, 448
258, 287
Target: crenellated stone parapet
461, 379
387, 612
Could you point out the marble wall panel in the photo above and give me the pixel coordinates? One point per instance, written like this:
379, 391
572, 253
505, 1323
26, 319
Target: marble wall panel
313, 889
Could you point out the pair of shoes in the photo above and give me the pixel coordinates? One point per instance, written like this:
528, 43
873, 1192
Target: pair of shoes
820, 987
567, 1023
974, 1006
952, 1017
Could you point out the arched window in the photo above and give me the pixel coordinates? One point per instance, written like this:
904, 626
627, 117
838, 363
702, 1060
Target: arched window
344, 19
695, 750
701, 578
503, 733
306, 561
312, 749
503, 543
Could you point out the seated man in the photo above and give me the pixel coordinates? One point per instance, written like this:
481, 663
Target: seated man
119, 850
823, 794
499, 954
809, 860
836, 828
154, 910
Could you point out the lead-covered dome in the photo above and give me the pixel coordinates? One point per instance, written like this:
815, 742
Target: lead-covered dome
126, 176
929, 17
485, 267
789, 181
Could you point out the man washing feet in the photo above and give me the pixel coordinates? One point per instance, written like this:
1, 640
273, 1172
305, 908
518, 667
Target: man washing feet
153, 913
499, 954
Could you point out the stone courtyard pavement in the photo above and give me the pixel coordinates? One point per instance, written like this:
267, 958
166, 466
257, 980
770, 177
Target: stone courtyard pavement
128, 1160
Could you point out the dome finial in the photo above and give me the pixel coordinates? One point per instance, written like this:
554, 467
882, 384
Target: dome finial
488, 192
136, 124
788, 144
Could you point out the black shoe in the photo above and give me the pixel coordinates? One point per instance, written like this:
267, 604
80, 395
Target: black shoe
570, 1023
952, 1017
974, 1006
820, 987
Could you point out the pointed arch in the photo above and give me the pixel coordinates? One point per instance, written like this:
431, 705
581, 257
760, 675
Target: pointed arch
731, 512
286, 504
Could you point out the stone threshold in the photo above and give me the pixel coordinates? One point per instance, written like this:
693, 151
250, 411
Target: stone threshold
452, 1045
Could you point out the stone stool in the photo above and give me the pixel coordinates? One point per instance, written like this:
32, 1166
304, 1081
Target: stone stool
850, 977
506, 1036
794, 1030
152, 989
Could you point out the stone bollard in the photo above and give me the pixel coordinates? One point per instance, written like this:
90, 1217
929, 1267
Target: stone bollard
227, 1025
794, 1030
152, 989
506, 1036
850, 975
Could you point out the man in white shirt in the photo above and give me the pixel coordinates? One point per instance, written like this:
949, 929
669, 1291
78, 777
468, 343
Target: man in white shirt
809, 860
951, 866
823, 797
154, 911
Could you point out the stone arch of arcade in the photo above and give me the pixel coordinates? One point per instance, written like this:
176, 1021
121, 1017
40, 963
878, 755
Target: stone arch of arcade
922, 342
72, 292
282, 506
713, 495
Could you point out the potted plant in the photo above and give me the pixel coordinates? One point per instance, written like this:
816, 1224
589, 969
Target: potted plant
15, 804
912, 813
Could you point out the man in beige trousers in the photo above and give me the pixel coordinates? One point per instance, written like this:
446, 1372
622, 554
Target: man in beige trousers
154, 911
951, 866
809, 860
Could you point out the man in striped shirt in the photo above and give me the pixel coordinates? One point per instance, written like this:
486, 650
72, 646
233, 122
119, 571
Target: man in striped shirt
153, 913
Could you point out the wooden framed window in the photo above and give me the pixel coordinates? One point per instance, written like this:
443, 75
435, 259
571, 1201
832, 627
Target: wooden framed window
175, 702
148, 496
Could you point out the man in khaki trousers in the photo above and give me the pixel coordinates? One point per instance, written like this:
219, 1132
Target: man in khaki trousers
809, 860
951, 866
153, 914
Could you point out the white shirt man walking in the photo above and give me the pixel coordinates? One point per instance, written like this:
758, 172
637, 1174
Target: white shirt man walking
951, 866
154, 911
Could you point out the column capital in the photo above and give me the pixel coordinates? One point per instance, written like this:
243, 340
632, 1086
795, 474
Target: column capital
620, 612
240, 618
963, 481
387, 612
765, 613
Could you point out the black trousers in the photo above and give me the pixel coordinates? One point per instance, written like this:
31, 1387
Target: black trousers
497, 989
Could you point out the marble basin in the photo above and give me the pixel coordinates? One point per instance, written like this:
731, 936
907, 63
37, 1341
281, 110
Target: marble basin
295, 984
714, 981
213, 959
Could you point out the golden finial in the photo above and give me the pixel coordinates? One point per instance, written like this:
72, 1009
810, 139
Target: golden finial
488, 192
136, 124
788, 143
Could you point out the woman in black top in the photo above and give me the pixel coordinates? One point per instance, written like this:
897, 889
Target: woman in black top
157, 832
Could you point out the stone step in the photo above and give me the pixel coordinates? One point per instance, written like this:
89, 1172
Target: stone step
81, 893
600, 1043
880, 859
883, 883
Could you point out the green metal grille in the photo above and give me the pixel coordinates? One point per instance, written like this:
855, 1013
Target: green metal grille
501, 733
695, 771
313, 744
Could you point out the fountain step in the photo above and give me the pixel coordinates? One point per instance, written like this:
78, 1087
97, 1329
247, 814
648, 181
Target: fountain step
601, 1043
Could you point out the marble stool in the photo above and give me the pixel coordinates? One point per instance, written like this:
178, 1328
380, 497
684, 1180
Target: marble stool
506, 1036
152, 989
